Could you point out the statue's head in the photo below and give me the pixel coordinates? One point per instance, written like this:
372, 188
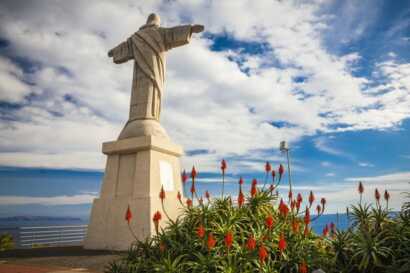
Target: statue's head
153, 19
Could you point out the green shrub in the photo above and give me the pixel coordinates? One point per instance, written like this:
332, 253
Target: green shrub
378, 240
6, 242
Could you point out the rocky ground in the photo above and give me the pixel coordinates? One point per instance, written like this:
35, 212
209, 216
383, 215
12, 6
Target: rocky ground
55, 260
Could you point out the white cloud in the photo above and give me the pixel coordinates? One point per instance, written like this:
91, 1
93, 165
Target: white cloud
207, 100
323, 144
325, 163
216, 180
48, 201
12, 88
393, 177
366, 164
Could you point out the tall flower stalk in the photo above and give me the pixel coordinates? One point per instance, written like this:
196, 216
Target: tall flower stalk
128, 217
193, 176
223, 168
162, 198
241, 197
386, 198
268, 168
156, 218
360, 189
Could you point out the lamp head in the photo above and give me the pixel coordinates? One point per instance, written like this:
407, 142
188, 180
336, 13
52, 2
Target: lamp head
283, 147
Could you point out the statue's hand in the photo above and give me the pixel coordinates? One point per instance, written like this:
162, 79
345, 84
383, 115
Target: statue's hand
110, 53
197, 28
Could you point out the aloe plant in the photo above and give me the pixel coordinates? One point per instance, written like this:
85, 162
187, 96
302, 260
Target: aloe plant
263, 234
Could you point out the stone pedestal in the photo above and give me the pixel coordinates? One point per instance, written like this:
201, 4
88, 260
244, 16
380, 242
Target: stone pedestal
135, 170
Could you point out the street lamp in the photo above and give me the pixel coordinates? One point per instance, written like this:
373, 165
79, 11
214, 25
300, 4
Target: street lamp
285, 148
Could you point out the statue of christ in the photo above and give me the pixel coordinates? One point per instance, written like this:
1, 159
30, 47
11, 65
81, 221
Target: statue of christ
147, 48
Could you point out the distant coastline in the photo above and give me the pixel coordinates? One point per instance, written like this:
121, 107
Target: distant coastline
340, 220
38, 218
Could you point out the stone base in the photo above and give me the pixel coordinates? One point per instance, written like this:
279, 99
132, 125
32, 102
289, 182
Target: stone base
143, 127
135, 171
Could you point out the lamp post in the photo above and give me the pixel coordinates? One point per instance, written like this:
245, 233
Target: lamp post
285, 148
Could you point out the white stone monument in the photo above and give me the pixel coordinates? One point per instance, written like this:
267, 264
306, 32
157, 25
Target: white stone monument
143, 158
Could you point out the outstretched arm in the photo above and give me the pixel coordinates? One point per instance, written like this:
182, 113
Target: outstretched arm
121, 53
179, 35
197, 28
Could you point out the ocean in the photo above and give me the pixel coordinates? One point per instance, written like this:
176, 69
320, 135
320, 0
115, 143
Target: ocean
13, 226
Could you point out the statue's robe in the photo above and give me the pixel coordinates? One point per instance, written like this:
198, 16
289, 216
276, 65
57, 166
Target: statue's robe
147, 47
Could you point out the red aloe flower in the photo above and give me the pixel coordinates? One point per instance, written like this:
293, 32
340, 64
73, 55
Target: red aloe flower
290, 195
306, 231
223, 166
157, 217
303, 267
193, 188
162, 194
228, 239
262, 253
318, 209
360, 188
311, 198
332, 229
269, 221
254, 182
281, 171
282, 243
299, 198
283, 208
179, 197
254, 189
298, 206
386, 196
240, 180
295, 226
189, 203
292, 205
200, 231
323, 202
128, 215
241, 198
377, 195
251, 243
273, 176
211, 242
184, 177
207, 195
307, 216
325, 230
268, 167
193, 173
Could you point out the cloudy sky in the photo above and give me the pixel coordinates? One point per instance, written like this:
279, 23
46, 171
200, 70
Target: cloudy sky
330, 77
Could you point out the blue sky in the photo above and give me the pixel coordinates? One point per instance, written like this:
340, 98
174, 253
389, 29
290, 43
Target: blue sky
330, 77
